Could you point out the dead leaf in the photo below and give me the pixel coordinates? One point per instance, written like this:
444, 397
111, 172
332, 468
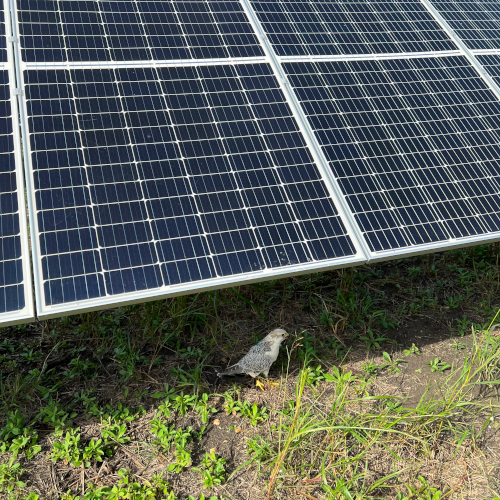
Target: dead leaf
237, 430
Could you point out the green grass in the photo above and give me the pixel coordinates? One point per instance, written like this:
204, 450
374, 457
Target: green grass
125, 403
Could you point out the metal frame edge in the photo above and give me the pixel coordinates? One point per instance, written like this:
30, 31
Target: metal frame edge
27, 314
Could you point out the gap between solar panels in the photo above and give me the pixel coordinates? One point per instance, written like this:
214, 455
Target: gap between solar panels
211, 152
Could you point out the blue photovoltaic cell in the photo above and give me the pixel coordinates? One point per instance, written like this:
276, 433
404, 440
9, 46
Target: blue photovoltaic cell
312, 27
12, 290
11, 266
414, 145
126, 30
491, 63
477, 23
147, 177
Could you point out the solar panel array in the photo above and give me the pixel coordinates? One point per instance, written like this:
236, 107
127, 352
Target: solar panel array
173, 146
185, 170
15, 285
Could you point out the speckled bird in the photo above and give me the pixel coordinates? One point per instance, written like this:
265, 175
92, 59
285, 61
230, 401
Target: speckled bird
260, 357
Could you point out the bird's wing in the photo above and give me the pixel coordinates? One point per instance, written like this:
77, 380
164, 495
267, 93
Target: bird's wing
256, 360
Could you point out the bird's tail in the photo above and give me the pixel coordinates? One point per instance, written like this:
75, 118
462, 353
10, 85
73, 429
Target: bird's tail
232, 370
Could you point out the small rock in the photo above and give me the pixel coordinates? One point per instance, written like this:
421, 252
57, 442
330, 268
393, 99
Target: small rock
237, 430
216, 421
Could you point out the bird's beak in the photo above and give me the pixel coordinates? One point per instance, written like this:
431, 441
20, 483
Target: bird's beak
287, 335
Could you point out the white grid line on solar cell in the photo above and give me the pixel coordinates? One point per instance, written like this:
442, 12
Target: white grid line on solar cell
173, 289
477, 206
333, 27
13, 224
477, 23
125, 30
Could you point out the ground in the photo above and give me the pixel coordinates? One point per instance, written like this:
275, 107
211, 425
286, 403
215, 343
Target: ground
386, 388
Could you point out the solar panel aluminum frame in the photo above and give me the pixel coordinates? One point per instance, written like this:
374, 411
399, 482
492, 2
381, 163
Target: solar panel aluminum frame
26, 314
109, 301
323, 162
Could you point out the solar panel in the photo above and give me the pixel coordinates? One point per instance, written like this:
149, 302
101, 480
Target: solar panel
477, 23
151, 180
413, 143
129, 30
333, 27
15, 283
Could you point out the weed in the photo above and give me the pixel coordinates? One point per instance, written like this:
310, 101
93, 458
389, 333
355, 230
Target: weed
27, 442
183, 402
463, 326
167, 394
412, 350
454, 302
204, 409
421, 492
69, 449
414, 272
81, 369
212, 470
114, 434
181, 455
54, 415
373, 340
9, 476
370, 369
253, 412
163, 433
438, 366
458, 346
14, 426
30, 356
381, 318
229, 403
126, 488
94, 451
392, 364
315, 376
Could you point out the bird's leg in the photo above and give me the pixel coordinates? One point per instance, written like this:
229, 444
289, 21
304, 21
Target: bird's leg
258, 383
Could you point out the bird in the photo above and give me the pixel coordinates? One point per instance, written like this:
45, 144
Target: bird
260, 357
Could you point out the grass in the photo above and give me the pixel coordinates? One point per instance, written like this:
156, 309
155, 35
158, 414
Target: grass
387, 390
